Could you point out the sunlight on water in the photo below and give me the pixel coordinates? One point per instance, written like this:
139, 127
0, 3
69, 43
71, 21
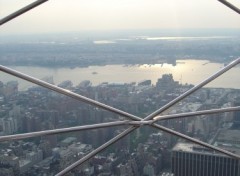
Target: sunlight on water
185, 71
186, 38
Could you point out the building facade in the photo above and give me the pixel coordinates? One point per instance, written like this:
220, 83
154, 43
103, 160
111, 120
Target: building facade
192, 160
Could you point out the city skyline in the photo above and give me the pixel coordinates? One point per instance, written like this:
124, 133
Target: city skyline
166, 106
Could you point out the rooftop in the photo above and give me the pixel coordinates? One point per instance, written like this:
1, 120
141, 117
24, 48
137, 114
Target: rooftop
193, 148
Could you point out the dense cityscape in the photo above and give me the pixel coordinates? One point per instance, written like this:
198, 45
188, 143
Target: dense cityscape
147, 152
79, 120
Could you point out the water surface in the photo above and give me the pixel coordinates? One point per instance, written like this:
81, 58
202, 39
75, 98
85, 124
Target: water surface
185, 71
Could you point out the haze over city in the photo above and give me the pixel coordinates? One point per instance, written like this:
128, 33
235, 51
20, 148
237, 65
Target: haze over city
82, 15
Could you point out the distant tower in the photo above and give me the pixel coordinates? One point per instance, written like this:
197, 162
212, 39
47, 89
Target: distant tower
96, 96
1, 88
166, 82
236, 117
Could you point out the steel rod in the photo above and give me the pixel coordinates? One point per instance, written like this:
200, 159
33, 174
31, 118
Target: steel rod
67, 92
231, 6
190, 114
192, 90
96, 151
62, 130
112, 124
130, 129
175, 133
21, 11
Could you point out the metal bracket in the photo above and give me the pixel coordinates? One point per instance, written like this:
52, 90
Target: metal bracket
230, 5
21, 11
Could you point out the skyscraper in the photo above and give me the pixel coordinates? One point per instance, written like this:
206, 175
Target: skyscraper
193, 160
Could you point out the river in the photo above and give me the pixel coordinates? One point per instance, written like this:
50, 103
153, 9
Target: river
185, 71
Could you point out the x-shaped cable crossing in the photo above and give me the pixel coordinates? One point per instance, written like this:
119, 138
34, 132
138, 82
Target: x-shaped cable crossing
134, 122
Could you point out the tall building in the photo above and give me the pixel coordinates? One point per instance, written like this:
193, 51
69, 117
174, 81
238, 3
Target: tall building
1, 88
236, 118
194, 160
166, 82
11, 88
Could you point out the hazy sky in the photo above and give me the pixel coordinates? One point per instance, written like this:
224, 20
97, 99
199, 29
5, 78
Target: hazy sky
78, 15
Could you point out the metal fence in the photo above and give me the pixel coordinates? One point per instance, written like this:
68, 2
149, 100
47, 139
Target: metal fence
133, 122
